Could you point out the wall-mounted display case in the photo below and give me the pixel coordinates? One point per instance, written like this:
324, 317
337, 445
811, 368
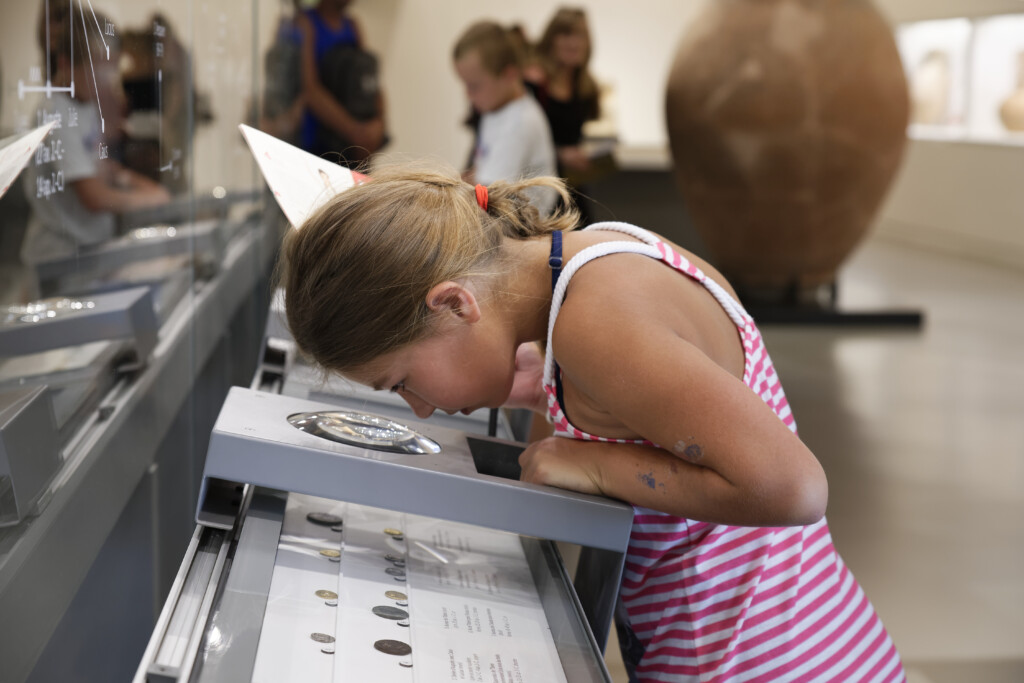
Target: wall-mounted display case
966, 78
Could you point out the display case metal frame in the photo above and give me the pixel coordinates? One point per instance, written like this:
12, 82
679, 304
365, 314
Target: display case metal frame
51, 555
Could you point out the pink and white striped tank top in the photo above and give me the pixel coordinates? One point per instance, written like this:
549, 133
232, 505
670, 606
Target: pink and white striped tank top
709, 602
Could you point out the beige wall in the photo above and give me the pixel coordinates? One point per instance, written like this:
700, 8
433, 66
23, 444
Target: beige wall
958, 197
220, 36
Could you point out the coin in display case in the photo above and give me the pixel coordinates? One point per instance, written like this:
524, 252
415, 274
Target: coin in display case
394, 558
393, 532
324, 518
407, 663
322, 637
327, 595
331, 553
327, 649
395, 595
404, 622
401, 603
388, 612
395, 571
393, 647
337, 528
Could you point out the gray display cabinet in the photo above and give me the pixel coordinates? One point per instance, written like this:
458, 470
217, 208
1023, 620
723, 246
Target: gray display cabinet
82, 578
270, 452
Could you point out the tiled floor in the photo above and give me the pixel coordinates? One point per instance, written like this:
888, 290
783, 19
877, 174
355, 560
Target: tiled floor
921, 434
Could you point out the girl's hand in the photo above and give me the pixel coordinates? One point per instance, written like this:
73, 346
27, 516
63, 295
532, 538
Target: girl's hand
527, 390
561, 462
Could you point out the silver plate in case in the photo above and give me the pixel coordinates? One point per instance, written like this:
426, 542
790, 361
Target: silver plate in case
364, 430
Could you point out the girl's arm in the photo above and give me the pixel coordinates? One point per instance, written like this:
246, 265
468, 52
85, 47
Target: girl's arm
724, 456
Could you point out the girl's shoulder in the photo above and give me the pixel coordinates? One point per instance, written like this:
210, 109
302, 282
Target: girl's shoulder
636, 290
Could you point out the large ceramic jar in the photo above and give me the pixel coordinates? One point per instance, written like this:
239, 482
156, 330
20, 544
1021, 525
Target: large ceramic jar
787, 121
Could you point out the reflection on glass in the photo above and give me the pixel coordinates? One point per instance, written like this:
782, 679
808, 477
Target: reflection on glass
153, 232
109, 199
79, 184
44, 309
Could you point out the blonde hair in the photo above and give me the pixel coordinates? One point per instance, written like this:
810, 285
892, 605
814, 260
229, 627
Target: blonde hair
497, 47
566, 21
357, 273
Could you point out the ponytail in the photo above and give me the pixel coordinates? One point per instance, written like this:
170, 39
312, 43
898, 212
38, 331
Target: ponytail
511, 212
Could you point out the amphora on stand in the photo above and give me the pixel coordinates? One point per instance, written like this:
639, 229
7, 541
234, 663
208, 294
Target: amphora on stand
787, 121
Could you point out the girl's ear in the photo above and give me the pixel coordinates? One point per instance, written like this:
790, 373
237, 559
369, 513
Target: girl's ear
451, 296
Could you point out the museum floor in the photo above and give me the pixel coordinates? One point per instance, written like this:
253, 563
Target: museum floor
922, 437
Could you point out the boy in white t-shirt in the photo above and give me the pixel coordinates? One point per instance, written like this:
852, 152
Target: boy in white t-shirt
513, 140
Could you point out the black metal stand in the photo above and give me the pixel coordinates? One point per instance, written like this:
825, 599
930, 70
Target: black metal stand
793, 309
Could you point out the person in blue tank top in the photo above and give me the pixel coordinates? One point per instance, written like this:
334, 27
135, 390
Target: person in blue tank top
323, 28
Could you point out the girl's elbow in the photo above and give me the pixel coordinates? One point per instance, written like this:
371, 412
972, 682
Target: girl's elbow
808, 497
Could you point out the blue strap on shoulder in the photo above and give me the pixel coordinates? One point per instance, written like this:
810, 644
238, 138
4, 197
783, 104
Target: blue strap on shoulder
555, 263
555, 259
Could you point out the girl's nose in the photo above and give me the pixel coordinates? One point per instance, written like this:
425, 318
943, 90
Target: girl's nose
420, 408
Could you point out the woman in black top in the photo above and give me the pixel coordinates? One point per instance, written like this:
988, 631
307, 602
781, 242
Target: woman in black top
564, 87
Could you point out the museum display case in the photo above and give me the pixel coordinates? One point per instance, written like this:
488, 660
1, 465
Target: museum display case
338, 536
135, 254
966, 78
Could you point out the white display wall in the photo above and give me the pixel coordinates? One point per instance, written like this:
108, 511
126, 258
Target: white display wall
965, 76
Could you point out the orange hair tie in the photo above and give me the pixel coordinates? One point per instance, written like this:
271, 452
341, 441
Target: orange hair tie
481, 196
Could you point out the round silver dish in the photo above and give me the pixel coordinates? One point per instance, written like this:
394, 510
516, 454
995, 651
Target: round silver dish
43, 309
365, 431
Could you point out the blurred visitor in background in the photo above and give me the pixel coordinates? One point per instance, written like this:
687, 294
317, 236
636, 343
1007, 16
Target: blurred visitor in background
163, 106
513, 139
283, 107
74, 186
560, 79
340, 86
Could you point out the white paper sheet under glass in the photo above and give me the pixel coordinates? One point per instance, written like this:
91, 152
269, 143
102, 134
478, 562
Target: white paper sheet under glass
474, 612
